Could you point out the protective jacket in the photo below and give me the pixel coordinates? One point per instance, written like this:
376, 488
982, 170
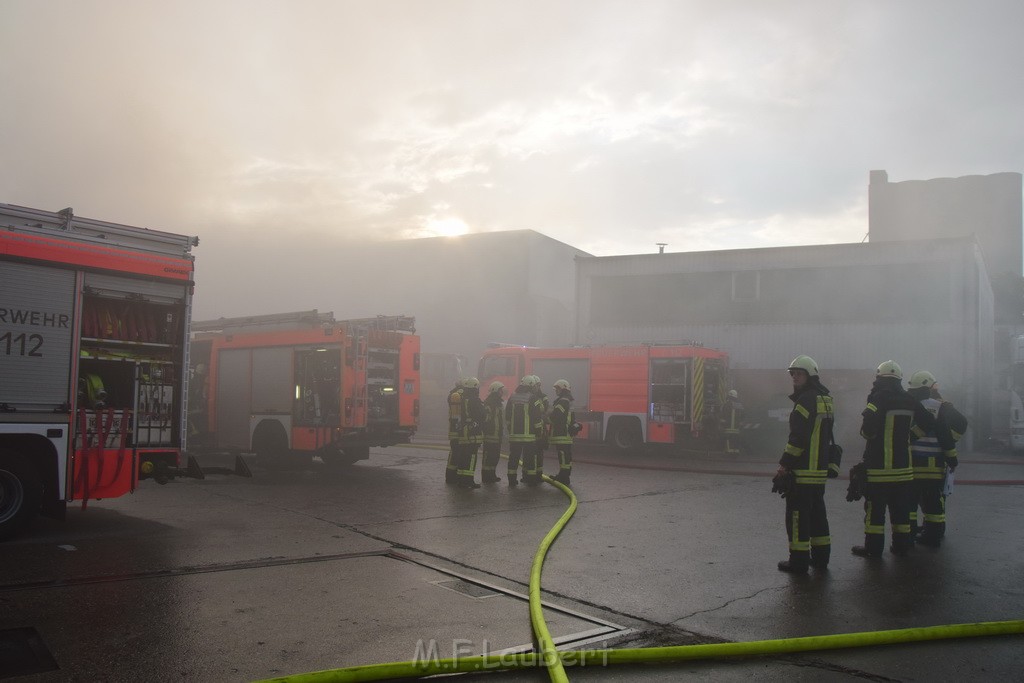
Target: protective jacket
494, 418
561, 418
890, 418
524, 416
810, 434
471, 415
936, 450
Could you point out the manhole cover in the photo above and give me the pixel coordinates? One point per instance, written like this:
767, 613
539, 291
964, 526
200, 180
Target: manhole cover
466, 588
23, 652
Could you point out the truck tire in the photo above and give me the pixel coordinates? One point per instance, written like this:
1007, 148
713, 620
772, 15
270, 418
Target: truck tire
271, 449
357, 453
337, 460
20, 493
625, 434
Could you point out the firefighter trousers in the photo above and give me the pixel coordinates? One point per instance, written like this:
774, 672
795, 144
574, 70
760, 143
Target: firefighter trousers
732, 441
451, 469
807, 526
928, 497
524, 452
564, 451
491, 456
896, 499
465, 460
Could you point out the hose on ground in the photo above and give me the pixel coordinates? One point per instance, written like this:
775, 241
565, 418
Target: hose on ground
555, 661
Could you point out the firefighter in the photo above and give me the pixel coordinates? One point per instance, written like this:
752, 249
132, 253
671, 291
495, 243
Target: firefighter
451, 474
933, 455
889, 419
544, 438
731, 421
804, 467
494, 431
563, 428
470, 434
524, 420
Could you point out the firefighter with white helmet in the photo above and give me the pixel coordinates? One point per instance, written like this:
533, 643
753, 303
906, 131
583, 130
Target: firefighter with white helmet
805, 465
451, 472
543, 439
524, 422
934, 458
731, 413
563, 428
889, 419
468, 411
494, 431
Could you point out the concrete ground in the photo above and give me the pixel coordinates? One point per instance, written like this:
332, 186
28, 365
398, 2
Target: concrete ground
231, 579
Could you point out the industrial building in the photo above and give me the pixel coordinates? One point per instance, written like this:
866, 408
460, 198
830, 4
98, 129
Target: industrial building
926, 304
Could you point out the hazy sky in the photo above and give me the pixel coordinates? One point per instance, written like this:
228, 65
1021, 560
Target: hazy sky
609, 125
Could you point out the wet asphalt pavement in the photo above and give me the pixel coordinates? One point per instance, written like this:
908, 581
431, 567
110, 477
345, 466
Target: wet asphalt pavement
231, 579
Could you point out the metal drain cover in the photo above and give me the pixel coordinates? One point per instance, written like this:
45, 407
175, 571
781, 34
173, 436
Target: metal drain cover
466, 588
23, 652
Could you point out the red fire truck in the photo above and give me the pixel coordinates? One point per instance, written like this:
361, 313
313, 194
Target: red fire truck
626, 395
93, 335
293, 385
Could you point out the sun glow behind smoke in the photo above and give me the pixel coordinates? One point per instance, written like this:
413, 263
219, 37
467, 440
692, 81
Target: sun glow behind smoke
445, 227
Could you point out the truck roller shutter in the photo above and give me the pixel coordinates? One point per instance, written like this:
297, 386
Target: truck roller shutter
36, 307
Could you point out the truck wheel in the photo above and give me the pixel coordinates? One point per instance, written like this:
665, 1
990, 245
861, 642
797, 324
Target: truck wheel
272, 451
357, 453
20, 493
625, 434
337, 460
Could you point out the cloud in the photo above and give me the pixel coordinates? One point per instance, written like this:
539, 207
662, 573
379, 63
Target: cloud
609, 125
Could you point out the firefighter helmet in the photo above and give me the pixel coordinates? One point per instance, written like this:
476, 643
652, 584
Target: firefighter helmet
733, 394
805, 363
562, 384
889, 368
495, 387
470, 383
922, 378
534, 381
527, 381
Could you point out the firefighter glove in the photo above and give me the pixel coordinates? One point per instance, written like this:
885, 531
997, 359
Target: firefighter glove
858, 482
783, 483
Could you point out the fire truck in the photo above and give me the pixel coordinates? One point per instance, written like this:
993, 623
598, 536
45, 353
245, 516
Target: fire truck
626, 395
94, 329
291, 386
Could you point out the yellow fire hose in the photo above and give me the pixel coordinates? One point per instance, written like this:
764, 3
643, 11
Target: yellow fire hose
555, 660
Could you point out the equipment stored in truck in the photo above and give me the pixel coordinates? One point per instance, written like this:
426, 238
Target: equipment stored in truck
291, 386
94, 328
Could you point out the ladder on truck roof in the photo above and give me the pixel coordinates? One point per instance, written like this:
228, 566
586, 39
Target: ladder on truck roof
65, 222
304, 320
266, 323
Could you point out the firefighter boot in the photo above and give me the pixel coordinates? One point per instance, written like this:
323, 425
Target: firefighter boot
900, 544
466, 482
513, 478
796, 564
563, 477
489, 477
931, 535
820, 556
873, 545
